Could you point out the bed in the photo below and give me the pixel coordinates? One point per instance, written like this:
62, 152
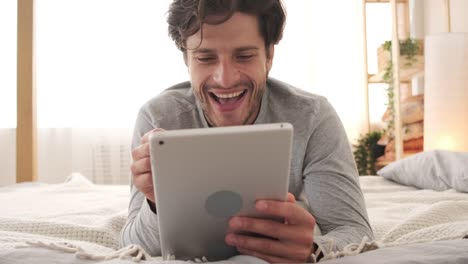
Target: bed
79, 222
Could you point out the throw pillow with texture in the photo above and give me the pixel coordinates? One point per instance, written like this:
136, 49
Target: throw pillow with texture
437, 170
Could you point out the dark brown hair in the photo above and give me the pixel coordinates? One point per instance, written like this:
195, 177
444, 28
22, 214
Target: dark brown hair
186, 17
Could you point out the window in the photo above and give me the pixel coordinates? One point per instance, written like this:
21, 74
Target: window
8, 28
379, 30
99, 61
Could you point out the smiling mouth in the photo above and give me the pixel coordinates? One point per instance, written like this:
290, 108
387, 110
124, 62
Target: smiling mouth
227, 99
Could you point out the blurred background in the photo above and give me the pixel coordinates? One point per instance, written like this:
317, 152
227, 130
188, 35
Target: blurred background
98, 61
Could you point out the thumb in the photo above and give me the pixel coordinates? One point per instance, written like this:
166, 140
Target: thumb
146, 136
291, 198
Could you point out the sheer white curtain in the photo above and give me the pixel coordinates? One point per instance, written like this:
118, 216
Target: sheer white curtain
322, 52
8, 36
100, 154
98, 61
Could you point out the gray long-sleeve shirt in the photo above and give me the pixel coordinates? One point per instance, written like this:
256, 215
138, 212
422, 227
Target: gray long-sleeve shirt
322, 165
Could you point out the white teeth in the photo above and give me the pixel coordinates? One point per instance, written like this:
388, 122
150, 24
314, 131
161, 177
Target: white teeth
231, 95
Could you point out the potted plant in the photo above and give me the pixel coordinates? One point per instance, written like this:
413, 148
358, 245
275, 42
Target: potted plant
366, 152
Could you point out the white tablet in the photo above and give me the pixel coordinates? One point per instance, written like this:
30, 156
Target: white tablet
205, 176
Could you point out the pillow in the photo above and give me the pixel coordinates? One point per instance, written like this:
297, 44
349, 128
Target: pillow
437, 170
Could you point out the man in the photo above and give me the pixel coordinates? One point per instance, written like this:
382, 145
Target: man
228, 47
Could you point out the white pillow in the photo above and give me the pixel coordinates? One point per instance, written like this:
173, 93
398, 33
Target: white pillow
437, 170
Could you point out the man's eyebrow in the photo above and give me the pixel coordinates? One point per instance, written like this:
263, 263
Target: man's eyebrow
203, 50
246, 48
240, 49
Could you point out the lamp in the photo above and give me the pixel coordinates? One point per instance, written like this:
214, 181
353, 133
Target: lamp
446, 92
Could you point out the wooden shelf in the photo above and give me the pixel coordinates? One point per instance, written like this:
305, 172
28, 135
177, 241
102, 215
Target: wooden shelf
378, 79
384, 1
413, 98
406, 72
405, 75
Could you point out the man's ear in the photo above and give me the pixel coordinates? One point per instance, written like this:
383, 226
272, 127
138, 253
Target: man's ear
270, 54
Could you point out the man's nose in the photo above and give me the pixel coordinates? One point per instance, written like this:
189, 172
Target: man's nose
226, 74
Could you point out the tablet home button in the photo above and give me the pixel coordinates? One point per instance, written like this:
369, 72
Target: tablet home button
223, 203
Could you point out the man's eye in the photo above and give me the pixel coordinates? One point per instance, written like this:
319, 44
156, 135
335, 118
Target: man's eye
206, 59
245, 57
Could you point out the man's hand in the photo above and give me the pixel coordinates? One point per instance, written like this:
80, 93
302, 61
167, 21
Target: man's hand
289, 242
141, 166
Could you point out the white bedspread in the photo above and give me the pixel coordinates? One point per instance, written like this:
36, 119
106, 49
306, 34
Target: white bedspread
91, 216
401, 214
76, 210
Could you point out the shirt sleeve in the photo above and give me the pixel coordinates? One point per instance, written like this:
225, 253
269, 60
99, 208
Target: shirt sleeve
142, 226
331, 184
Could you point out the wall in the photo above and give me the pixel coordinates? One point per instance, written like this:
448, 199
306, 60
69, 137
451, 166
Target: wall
459, 13
429, 17
435, 20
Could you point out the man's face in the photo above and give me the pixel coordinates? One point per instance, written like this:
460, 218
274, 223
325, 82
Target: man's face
228, 70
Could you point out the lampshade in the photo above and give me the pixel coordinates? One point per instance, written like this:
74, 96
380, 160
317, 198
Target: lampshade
446, 92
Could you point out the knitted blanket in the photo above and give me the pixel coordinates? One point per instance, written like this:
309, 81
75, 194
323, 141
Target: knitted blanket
81, 217
77, 211
402, 215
